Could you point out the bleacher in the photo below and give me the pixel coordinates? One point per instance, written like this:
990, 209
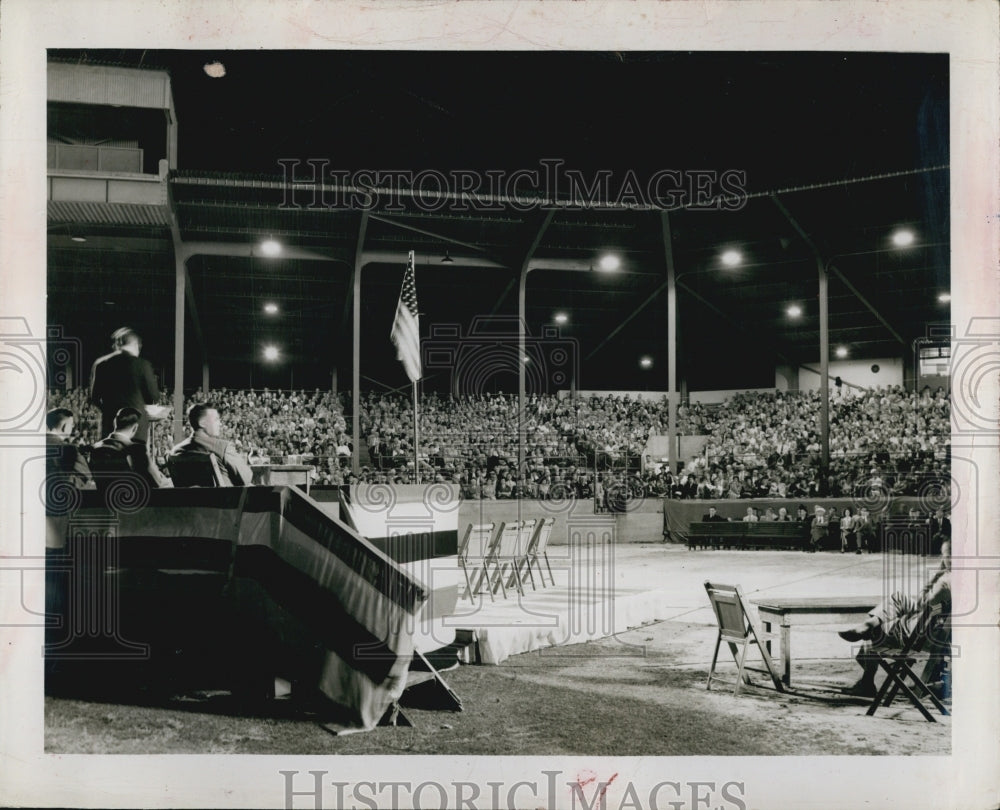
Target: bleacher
754, 444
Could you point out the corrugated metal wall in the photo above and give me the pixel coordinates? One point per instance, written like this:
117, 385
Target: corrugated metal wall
98, 84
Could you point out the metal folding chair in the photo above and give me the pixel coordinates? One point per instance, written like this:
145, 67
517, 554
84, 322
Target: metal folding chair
482, 575
525, 538
738, 626
475, 546
504, 554
536, 548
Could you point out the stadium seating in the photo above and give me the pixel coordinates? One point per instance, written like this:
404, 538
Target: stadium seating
883, 442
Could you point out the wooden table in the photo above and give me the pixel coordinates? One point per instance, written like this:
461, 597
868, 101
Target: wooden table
791, 610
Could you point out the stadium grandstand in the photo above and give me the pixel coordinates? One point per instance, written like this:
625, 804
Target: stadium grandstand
432, 310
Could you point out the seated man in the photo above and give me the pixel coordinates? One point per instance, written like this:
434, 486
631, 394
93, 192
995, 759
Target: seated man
63, 460
713, 516
204, 439
891, 621
121, 452
65, 470
819, 529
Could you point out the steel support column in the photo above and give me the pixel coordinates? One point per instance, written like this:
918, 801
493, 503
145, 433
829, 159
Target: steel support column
824, 374
672, 394
522, 326
356, 348
180, 287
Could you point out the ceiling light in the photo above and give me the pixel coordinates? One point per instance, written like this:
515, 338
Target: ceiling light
269, 247
731, 258
561, 317
944, 297
903, 238
841, 351
526, 359
794, 311
271, 352
646, 362
447, 259
215, 70
271, 308
609, 263
78, 238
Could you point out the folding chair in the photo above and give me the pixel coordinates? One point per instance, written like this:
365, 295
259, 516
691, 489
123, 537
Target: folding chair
536, 547
475, 544
195, 470
504, 554
482, 575
898, 663
525, 537
738, 626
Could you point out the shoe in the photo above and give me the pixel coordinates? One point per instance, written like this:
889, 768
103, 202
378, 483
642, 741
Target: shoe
854, 635
860, 689
858, 551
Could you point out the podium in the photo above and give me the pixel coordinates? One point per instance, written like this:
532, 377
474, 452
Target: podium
281, 475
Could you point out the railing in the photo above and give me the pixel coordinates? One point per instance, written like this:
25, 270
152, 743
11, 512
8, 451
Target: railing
77, 157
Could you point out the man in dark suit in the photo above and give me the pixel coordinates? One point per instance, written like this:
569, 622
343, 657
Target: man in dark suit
940, 529
206, 427
121, 453
712, 516
122, 379
64, 464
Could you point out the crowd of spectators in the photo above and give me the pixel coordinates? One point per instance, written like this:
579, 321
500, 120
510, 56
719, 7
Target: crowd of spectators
768, 445
755, 444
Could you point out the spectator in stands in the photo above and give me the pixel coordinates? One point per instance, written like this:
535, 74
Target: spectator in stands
819, 529
753, 440
206, 427
751, 515
833, 520
713, 516
940, 528
783, 515
864, 527
120, 452
890, 621
848, 532
63, 460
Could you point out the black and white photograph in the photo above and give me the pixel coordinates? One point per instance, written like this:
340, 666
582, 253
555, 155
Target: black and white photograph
567, 405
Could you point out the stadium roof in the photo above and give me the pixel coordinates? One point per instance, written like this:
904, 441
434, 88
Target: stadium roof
769, 154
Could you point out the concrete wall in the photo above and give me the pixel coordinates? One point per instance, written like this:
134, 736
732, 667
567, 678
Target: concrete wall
718, 397
855, 372
786, 378
654, 396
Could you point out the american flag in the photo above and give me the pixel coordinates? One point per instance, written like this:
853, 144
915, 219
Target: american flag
406, 325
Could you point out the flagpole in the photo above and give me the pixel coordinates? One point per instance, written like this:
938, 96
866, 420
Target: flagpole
416, 438
416, 428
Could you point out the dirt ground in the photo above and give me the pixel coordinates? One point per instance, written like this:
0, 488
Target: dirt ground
640, 693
